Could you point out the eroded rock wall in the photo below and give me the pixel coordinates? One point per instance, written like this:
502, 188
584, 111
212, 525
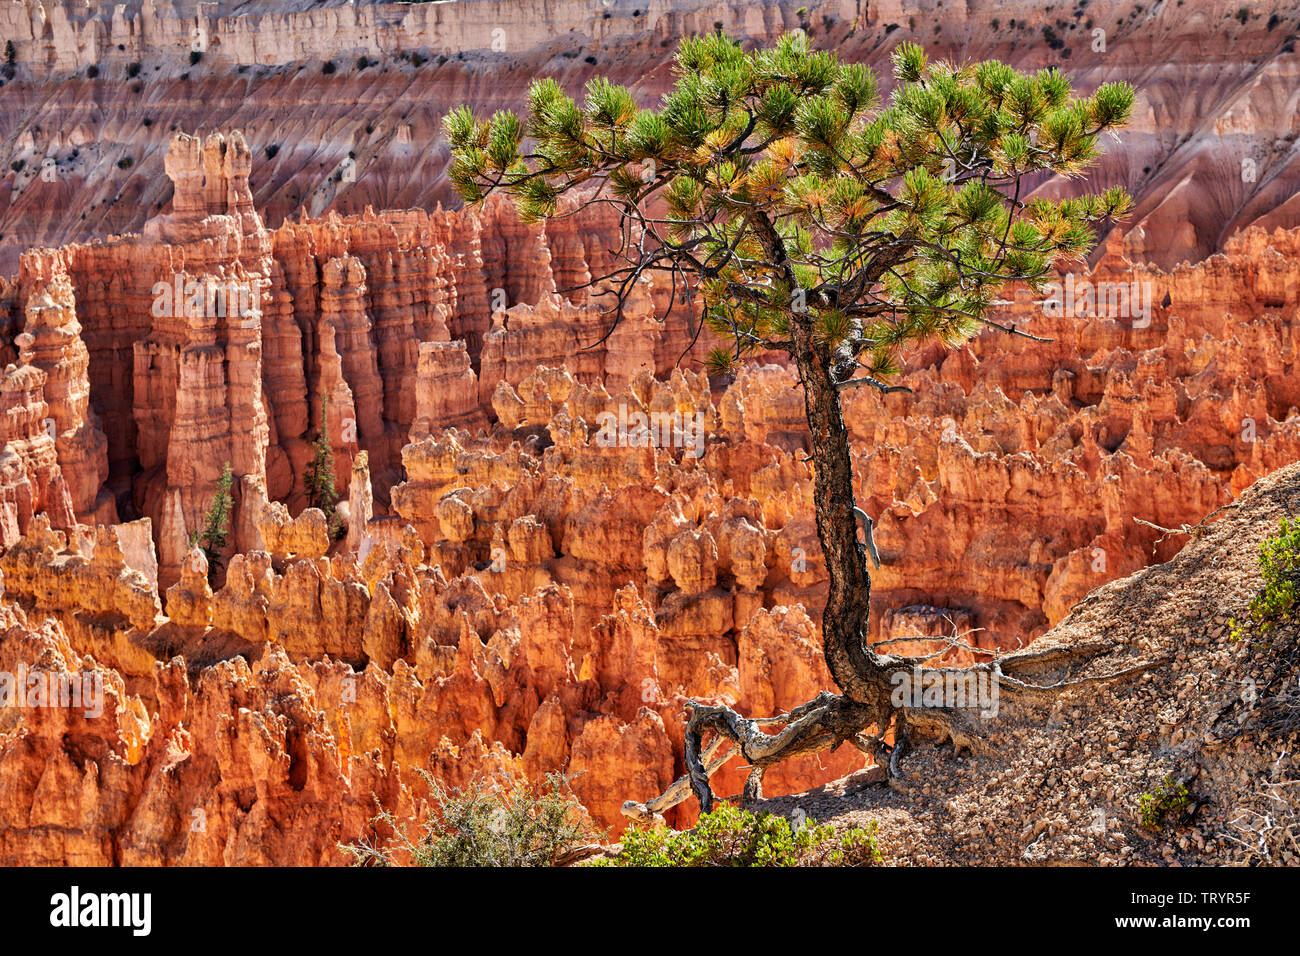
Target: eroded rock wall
1210, 151
547, 551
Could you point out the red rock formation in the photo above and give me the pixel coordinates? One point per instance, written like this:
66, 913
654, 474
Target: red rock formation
1202, 165
547, 549
56, 347
446, 393
30, 478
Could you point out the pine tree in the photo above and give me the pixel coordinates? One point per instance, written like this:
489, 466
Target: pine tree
804, 212
318, 478
212, 538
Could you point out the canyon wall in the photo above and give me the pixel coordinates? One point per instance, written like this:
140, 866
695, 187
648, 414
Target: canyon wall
211, 339
66, 35
1212, 148
547, 550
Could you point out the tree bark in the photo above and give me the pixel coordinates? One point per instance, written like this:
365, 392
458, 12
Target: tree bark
848, 604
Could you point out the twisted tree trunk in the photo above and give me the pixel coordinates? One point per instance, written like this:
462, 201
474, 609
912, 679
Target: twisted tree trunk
865, 677
848, 604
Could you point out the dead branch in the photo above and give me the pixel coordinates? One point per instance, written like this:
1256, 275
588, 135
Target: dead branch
829, 720
1195, 531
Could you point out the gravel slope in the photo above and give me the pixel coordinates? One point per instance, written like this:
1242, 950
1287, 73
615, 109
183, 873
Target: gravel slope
1062, 777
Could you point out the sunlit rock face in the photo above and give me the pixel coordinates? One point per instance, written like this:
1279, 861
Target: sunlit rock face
544, 591
541, 549
1206, 155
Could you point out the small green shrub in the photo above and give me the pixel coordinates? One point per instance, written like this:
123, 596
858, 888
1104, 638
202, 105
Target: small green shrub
481, 825
132, 70
211, 538
195, 57
318, 478
328, 67
733, 837
1170, 797
126, 162
1279, 562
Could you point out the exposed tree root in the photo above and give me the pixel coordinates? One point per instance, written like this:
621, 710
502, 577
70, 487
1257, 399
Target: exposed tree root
821, 724
1194, 531
830, 720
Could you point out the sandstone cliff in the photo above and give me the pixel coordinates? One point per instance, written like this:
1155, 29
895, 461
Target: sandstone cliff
1211, 150
1064, 782
547, 550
